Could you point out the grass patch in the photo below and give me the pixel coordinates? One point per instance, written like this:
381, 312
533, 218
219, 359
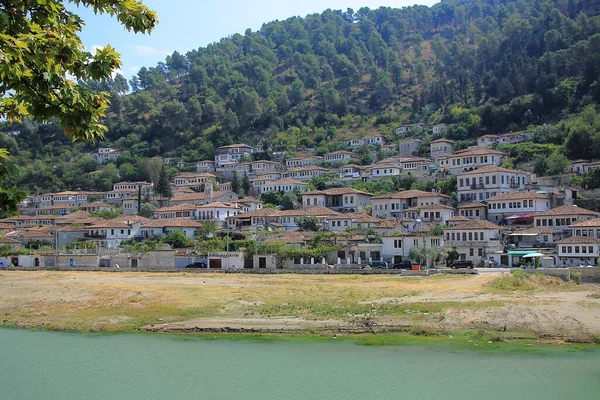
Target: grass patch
520, 280
594, 295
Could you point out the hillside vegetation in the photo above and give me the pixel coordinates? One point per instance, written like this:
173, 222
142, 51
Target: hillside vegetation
486, 65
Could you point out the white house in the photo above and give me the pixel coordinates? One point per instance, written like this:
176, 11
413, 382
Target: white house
338, 199
303, 161
406, 128
385, 169
205, 167
112, 232
217, 211
474, 240
155, 227
521, 204
578, 250
474, 210
283, 185
485, 182
409, 146
183, 210
589, 227
395, 204
375, 140
337, 157
350, 172
441, 147
305, 172
106, 154
438, 213
396, 248
355, 142
473, 158
232, 153
563, 217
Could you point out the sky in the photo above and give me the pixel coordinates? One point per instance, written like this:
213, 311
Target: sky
189, 24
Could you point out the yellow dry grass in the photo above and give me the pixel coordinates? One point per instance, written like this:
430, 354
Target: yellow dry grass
97, 301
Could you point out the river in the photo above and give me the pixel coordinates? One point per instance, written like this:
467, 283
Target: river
49, 365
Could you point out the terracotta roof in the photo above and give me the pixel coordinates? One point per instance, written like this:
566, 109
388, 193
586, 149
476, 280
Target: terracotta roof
200, 196
579, 240
175, 223
491, 169
263, 212
97, 204
443, 140
591, 223
475, 151
430, 207
566, 210
458, 218
76, 215
408, 194
110, 224
474, 204
177, 207
131, 219
314, 192
219, 205
524, 195
58, 207
389, 223
538, 231
250, 200
474, 224
316, 211
235, 145
287, 181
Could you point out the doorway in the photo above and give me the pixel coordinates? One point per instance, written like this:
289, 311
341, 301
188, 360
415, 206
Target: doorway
134, 263
214, 263
262, 262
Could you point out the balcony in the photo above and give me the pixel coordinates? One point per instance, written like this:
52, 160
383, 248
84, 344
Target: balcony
477, 186
94, 235
514, 186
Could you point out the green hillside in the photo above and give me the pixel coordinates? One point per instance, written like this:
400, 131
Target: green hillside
486, 66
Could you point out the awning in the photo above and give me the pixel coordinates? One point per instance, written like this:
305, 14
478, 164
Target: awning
533, 255
521, 252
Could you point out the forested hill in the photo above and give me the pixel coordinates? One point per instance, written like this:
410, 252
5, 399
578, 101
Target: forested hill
485, 65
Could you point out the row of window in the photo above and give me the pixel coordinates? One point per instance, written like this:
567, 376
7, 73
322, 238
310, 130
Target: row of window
466, 182
470, 236
578, 249
555, 221
512, 204
470, 213
469, 160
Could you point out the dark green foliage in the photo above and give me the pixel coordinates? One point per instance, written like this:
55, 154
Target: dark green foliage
162, 187
486, 66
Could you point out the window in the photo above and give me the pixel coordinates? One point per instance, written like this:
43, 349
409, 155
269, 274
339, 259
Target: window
471, 252
530, 203
112, 232
576, 249
480, 252
397, 243
583, 249
569, 249
590, 249
564, 249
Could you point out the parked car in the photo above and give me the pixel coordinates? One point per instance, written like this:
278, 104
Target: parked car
405, 264
462, 264
196, 264
378, 265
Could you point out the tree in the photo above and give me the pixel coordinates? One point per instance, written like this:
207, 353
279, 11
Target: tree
451, 256
289, 201
235, 183
246, 185
42, 53
558, 164
147, 210
162, 187
309, 223
177, 240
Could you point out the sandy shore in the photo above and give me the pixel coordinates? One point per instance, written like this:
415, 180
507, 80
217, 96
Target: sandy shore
338, 304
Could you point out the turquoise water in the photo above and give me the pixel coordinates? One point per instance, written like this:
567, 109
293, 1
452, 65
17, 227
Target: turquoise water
48, 365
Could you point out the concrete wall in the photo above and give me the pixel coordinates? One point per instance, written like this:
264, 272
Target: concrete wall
589, 275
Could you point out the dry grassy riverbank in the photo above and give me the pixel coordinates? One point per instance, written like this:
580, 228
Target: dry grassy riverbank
188, 302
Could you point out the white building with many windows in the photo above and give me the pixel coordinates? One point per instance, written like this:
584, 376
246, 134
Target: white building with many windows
520, 204
474, 240
395, 204
564, 217
485, 182
473, 158
578, 250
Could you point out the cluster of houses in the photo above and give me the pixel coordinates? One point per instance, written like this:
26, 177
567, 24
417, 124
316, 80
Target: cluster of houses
497, 217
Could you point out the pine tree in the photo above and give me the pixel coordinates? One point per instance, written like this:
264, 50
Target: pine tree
163, 188
246, 184
235, 182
